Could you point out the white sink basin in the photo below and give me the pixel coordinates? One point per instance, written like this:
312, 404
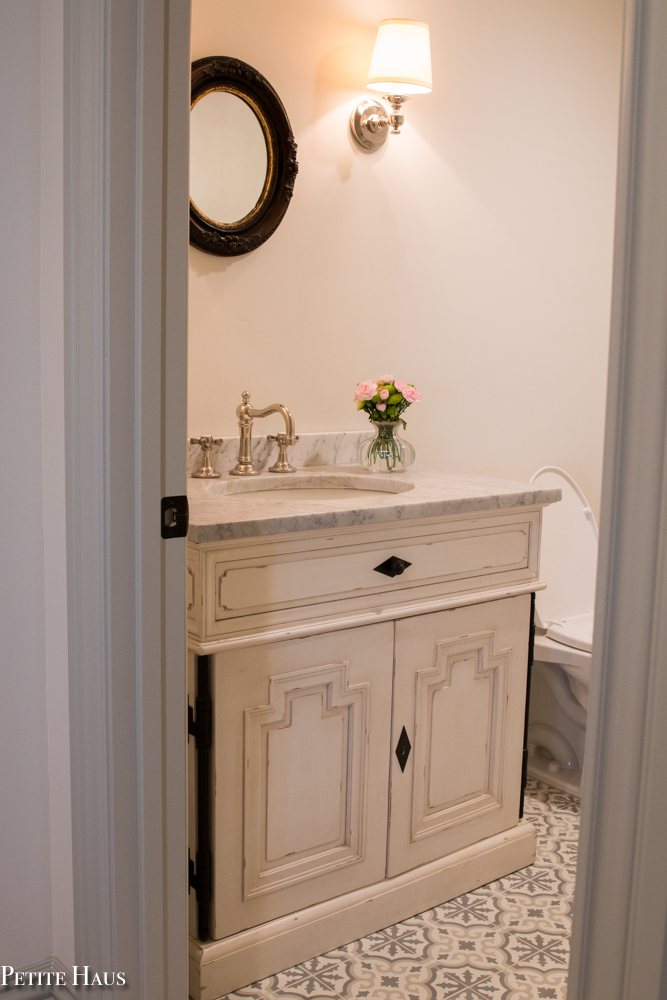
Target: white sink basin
286, 489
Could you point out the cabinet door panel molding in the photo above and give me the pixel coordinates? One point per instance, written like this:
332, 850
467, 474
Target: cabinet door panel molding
461, 702
306, 769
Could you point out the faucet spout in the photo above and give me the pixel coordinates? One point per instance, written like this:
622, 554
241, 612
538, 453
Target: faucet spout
290, 430
246, 414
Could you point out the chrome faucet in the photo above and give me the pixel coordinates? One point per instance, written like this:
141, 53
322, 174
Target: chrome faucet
246, 414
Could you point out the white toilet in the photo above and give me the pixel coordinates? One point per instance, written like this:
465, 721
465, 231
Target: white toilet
563, 635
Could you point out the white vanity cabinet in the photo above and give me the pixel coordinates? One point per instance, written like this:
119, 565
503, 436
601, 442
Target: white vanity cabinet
367, 730
306, 770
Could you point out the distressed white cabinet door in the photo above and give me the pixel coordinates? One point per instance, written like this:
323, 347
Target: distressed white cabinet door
301, 735
460, 693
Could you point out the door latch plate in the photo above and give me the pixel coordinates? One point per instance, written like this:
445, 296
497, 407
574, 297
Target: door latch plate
175, 517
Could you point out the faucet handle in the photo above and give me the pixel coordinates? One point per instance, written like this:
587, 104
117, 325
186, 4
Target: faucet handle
206, 441
283, 441
206, 470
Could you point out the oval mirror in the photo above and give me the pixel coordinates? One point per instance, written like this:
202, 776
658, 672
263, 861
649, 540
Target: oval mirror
228, 157
242, 157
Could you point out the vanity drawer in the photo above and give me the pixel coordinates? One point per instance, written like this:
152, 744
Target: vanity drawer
261, 583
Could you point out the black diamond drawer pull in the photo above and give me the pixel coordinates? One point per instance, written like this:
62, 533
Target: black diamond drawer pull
403, 748
393, 566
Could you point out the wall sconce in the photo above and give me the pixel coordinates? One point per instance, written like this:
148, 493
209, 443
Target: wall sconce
401, 66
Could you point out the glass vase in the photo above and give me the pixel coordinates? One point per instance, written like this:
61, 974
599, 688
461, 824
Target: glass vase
385, 450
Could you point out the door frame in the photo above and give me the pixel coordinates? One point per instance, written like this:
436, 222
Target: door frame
621, 898
127, 83
126, 110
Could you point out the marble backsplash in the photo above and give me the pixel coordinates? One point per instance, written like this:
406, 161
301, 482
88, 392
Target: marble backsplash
327, 448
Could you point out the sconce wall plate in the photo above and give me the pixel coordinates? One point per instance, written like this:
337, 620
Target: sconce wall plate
362, 122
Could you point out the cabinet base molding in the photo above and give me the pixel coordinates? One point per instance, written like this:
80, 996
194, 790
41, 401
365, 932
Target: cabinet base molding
219, 967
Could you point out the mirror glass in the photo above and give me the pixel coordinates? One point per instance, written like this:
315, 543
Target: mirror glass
228, 157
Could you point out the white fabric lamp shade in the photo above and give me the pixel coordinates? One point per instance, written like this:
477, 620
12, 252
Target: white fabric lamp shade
401, 62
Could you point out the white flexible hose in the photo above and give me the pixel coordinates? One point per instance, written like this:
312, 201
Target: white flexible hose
568, 479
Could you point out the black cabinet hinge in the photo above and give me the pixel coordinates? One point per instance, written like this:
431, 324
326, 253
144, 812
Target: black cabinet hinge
199, 876
529, 672
199, 724
174, 517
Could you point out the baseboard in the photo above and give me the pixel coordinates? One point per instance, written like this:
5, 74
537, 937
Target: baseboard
566, 780
219, 967
51, 964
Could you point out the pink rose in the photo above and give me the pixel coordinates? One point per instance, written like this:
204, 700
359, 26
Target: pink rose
386, 378
384, 393
365, 390
412, 395
381, 406
409, 393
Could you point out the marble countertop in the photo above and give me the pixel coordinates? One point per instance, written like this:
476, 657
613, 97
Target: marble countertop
233, 507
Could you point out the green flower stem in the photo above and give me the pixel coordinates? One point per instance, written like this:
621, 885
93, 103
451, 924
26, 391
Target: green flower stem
385, 448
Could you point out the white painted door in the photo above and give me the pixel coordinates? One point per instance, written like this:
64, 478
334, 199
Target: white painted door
459, 693
301, 739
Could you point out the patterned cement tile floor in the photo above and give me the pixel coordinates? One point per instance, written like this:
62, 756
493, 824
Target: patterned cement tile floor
506, 941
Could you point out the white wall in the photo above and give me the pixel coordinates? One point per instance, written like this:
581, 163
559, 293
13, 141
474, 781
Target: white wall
35, 829
471, 256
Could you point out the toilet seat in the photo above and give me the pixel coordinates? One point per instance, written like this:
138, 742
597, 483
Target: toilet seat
568, 643
575, 662
576, 632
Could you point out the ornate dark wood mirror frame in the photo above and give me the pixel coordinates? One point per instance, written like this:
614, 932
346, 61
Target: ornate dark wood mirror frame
236, 77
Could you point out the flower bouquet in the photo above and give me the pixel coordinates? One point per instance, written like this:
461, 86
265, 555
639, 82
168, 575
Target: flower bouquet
385, 400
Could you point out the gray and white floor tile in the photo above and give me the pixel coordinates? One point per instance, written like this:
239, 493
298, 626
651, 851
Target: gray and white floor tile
505, 941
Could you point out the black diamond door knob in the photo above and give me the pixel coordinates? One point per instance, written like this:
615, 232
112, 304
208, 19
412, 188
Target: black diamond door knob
403, 748
393, 566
